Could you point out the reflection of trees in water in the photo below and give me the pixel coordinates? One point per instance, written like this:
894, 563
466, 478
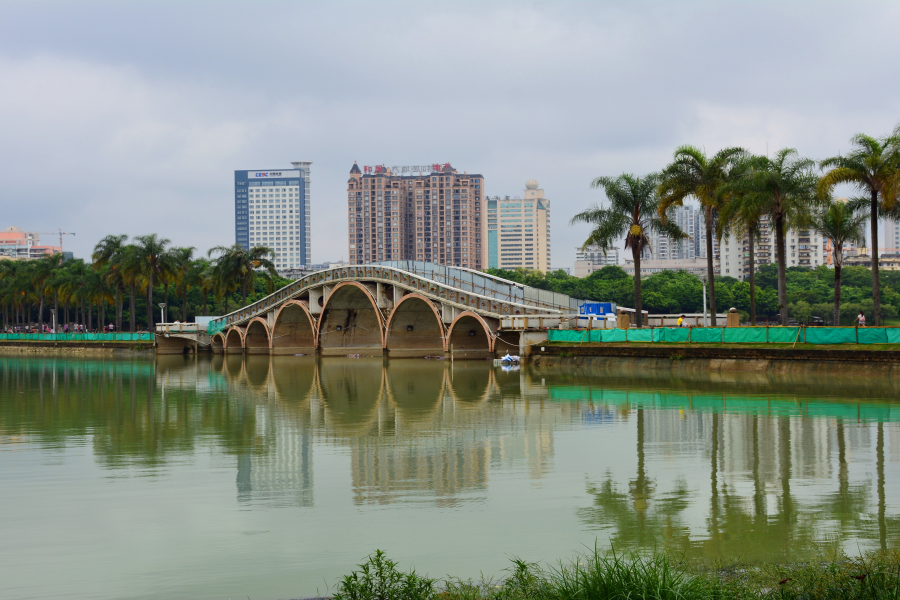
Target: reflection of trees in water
742, 525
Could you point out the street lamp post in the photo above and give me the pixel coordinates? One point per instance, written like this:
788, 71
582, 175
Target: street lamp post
162, 315
53, 313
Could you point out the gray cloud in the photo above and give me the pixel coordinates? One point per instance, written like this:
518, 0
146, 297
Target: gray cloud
126, 117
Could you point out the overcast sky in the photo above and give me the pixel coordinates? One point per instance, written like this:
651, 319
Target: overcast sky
131, 117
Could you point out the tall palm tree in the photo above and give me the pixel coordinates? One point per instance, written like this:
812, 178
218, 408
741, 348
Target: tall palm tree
130, 264
41, 271
152, 252
184, 275
786, 186
872, 166
242, 266
693, 174
205, 281
108, 251
841, 223
633, 211
740, 214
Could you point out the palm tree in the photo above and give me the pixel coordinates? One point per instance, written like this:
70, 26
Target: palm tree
634, 210
185, 275
873, 166
693, 174
205, 281
41, 271
241, 266
740, 213
151, 251
108, 251
129, 263
786, 186
841, 223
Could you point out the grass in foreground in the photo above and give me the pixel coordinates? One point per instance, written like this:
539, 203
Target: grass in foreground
612, 576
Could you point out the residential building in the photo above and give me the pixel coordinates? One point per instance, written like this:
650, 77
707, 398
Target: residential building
592, 259
691, 221
518, 230
803, 248
695, 266
431, 213
16, 244
271, 208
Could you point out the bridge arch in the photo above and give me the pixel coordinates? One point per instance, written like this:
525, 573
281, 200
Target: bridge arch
217, 343
234, 341
415, 328
257, 339
470, 336
351, 322
294, 331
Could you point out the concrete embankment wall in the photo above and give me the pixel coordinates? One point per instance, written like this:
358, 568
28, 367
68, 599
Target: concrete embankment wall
71, 347
748, 360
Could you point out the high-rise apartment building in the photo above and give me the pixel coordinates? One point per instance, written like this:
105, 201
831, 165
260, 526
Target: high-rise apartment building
396, 214
803, 248
691, 221
518, 230
271, 208
16, 244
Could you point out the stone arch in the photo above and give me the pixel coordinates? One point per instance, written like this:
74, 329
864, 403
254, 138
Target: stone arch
217, 343
256, 337
234, 341
415, 328
351, 322
470, 337
295, 329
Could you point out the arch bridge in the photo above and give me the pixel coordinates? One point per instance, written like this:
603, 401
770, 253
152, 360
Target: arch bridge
397, 308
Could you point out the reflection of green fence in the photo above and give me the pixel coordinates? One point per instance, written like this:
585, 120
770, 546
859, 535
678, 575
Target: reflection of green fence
78, 337
732, 335
747, 405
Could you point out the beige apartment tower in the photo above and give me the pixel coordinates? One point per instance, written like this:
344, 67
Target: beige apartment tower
430, 213
518, 230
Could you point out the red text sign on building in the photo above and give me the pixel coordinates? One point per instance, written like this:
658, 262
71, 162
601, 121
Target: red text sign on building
407, 169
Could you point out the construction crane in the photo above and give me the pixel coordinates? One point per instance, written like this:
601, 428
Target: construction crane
59, 232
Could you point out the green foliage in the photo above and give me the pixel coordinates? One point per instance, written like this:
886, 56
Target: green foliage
379, 579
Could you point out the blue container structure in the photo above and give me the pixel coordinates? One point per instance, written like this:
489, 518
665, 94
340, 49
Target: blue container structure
600, 309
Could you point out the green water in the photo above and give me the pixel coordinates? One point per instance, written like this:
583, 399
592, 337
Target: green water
229, 477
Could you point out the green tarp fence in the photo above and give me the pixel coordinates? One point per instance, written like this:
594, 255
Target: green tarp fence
732, 335
78, 337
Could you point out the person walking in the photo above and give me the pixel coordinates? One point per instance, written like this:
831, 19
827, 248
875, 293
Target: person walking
861, 318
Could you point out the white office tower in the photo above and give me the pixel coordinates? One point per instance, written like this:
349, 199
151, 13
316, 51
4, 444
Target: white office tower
272, 209
592, 259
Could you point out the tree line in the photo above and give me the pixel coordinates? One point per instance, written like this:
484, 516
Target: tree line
810, 291
124, 283
737, 190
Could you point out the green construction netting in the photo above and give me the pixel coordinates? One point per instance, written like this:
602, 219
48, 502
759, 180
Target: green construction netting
893, 336
830, 335
79, 337
784, 335
564, 335
706, 335
613, 335
214, 327
670, 334
638, 335
875, 335
745, 335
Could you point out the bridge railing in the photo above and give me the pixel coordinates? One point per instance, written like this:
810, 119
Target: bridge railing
181, 328
486, 285
515, 298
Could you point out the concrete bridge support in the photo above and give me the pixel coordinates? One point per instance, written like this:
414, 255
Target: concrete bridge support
234, 341
217, 343
294, 331
175, 345
414, 329
470, 337
256, 337
351, 322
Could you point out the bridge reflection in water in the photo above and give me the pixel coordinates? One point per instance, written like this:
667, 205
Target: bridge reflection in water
714, 467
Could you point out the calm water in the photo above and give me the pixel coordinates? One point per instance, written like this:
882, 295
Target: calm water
228, 477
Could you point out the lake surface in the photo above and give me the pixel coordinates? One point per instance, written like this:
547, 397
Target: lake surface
229, 477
